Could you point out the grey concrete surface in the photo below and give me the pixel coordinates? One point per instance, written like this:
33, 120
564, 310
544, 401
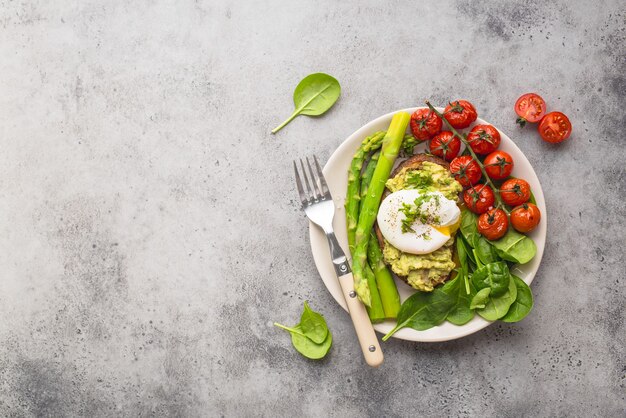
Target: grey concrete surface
149, 234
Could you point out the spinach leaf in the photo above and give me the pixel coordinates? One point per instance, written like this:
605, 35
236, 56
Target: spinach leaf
463, 255
313, 325
485, 251
466, 247
493, 275
496, 307
422, 311
523, 303
314, 95
311, 337
515, 247
469, 229
308, 348
480, 299
460, 313
461, 252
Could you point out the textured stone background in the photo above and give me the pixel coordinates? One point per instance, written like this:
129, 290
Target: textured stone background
149, 233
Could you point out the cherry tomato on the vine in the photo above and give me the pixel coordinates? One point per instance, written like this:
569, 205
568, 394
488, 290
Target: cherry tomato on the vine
465, 170
515, 192
425, 124
460, 114
484, 139
479, 198
525, 217
530, 107
498, 165
493, 224
555, 127
445, 145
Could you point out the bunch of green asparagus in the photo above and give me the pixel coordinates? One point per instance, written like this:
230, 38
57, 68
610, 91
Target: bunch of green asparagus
373, 282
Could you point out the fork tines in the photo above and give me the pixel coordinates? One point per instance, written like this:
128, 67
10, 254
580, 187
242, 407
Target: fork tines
316, 188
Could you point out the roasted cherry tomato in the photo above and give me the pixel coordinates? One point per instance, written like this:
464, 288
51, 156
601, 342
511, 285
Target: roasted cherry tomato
484, 139
493, 224
479, 198
445, 145
498, 165
555, 127
530, 108
525, 217
465, 170
425, 124
460, 114
515, 192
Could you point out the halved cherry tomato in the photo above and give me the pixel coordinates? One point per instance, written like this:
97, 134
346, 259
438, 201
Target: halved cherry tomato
479, 198
445, 145
530, 108
493, 224
526, 217
460, 114
555, 127
498, 165
484, 139
515, 192
465, 170
425, 124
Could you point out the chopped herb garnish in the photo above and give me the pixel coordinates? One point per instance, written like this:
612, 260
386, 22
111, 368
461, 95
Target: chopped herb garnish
414, 212
418, 179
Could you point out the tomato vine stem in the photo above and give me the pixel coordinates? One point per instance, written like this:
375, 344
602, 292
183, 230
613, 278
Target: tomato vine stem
473, 154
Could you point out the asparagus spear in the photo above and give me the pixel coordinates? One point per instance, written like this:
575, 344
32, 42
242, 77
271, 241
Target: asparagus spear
387, 289
354, 183
390, 148
389, 296
367, 178
375, 311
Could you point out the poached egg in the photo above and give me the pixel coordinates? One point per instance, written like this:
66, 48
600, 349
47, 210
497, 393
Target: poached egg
436, 219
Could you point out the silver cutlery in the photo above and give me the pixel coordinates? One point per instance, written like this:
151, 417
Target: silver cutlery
319, 207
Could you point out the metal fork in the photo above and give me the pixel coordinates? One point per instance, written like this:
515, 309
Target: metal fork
319, 207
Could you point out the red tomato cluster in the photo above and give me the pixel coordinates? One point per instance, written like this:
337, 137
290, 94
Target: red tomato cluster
553, 127
484, 140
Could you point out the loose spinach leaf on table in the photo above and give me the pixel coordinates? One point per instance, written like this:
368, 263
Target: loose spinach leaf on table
422, 311
496, 307
313, 325
523, 303
308, 348
460, 313
314, 95
311, 337
493, 275
515, 247
480, 298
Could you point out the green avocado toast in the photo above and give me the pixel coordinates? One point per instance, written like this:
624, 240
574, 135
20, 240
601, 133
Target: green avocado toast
422, 271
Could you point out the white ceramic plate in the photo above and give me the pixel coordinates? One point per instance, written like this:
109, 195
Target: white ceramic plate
336, 173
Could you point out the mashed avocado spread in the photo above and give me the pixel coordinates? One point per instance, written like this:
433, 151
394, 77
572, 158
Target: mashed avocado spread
424, 271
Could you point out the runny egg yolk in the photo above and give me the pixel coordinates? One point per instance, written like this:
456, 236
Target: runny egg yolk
449, 229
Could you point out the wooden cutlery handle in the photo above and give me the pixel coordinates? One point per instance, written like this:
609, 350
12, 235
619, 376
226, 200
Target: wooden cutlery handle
362, 324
